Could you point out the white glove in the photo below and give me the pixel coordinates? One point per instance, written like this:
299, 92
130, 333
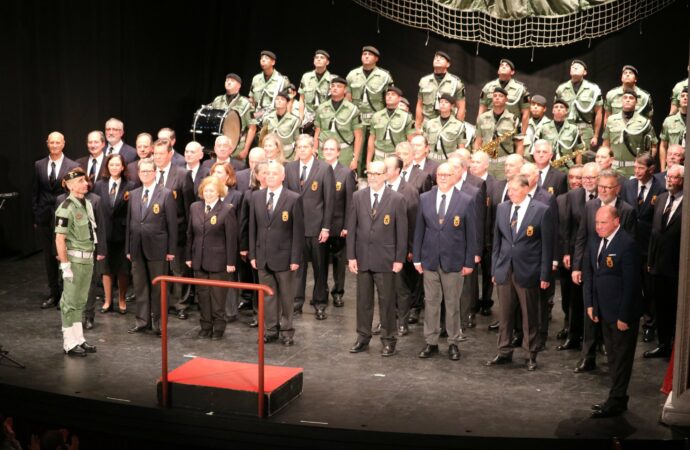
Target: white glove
67, 274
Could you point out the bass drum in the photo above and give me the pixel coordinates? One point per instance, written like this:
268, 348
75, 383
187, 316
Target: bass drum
209, 123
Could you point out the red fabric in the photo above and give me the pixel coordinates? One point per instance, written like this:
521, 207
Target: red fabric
668, 379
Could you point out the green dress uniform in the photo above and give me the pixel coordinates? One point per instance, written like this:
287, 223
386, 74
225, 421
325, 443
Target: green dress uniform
518, 96
315, 90
287, 128
244, 109
565, 142
677, 89
431, 89
628, 139
673, 130
444, 136
582, 106
368, 92
389, 128
75, 219
263, 92
489, 128
614, 102
340, 125
533, 128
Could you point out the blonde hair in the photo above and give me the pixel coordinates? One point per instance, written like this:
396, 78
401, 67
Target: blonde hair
219, 185
280, 156
232, 179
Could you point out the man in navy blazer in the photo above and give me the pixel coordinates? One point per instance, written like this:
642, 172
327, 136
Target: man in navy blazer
612, 298
444, 249
674, 155
48, 174
114, 130
521, 262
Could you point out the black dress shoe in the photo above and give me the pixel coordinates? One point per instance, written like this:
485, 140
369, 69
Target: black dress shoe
540, 348
157, 331
338, 301
376, 329
485, 311
270, 338
661, 351
244, 305
493, 326
88, 348
611, 410
204, 334
499, 360
403, 330
563, 334
88, 324
428, 351
359, 347
532, 364
76, 351
570, 344
137, 329
388, 350
453, 352
585, 365
288, 341
105, 310
443, 333
217, 336
49, 303
414, 317
321, 314
517, 341
601, 348
182, 314
647, 334
254, 323
297, 309
471, 323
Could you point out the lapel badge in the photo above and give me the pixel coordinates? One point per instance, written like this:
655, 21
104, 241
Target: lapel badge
386, 219
175, 194
156, 208
609, 262
530, 231
488, 201
338, 185
653, 200
456, 221
214, 220
126, 195
314, 185
285, 216
550, 189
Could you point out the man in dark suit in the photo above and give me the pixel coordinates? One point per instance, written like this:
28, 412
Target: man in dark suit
313, 180
144, 149
376, 249
175, 179
150, 243
608, 189
256, 155
407, 279
46, 186
612, 298
169, 135
114, 130
445, 246
522, 261
193, 154
276, 249
663, 259
345, 186
641, 192
93, 164
222, 148
551, 180
417, 178
674, 155
420, 151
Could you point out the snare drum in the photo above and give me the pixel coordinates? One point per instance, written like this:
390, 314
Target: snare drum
209, 123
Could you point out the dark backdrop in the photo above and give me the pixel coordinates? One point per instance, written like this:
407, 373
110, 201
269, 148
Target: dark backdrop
70, 65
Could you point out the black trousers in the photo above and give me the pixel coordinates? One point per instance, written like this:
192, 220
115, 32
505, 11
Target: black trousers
649, 319
576, 313
591, 332
316, 253
487, 285
94, 289
665, 294
335, 246
620, 347
212, 301
46, 238
405, 288
566, 289
385, 287
148, 296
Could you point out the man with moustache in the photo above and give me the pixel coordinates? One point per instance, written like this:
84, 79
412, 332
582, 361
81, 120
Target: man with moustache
144, 149
114, 130
93, 164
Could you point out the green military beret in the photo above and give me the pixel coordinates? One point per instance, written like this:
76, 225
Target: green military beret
560, 101
630, 68
580, 62
339, 79
630, 92
234, 76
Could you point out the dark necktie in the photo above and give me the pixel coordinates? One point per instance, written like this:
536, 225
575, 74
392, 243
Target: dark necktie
591, 196
269, 205
417, 166
404, 175
112, 193
53, 175
303, 177
667, 211
208, 209
92, 170
602, 253
505, 196
640, 196
539, 179
110, 150
161, 178
514, 221
144, 202
442, 210
375, 205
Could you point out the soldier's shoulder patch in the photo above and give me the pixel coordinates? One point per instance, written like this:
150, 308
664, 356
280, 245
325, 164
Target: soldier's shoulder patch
62, 222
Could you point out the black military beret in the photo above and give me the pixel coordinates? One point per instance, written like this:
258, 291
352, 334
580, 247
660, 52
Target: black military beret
339, 79
580, 62
284, 93
685, 89
500, 90
322, 52
405, 101
291, 86
630, 68
234, 76
538, 99
630, 92
395, 89
447, 97
74, 173
507, 61
560, 101
269, 53
371, 49
443, 55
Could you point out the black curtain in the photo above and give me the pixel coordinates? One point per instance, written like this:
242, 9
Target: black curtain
71, 65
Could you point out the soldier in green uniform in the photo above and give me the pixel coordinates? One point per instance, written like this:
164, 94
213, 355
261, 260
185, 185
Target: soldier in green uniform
673, 130
614, 97
432, 86
444, 133
366, 89
389, 127
284, 124
629, 134
584, 103
537, 119
244, 108
500, 126
518, 95
675, 95
266, 85
339, 119
563, 136
315, 87
75, 240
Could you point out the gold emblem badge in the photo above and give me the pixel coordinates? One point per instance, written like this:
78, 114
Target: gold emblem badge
285, 216
550, 190
338, 185
79, 216
456, 221
314, 185
530, 231
488, 201
214, 220
653, 200
609, 262
156, 208
386, 219
175, 194
126, 195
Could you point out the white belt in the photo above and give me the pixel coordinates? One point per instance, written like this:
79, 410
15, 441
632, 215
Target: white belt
80, 254
625, 163
366, 116
344, 146
437, 156
381, 154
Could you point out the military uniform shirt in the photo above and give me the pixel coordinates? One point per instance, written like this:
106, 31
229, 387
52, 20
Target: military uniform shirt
637, 132
673, 130
287, 128
244, 109
518, 96
444, 138
582, 104
264, 92
533, 128
677, 89
564, 142
368, 93
488, 128
76, 221
614, 102
390, 130
430, 92
339, 125
316, 91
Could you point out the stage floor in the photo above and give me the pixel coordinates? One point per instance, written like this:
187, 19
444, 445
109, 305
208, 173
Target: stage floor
401, 394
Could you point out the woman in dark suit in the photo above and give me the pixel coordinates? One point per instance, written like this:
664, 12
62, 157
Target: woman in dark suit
212, 237
114, 192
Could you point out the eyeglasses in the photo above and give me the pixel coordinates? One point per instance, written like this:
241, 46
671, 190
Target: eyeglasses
438, 174
674, 177
374, 174
601, 186
146, 171
589, 178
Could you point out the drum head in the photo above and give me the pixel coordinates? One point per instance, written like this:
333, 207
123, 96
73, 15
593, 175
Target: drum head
232, 127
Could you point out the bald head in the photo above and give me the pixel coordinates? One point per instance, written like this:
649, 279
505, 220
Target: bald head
512, 165
193, 153
56, 144
530, 171
256, 155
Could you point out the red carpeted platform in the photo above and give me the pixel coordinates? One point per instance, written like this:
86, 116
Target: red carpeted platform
211, 385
